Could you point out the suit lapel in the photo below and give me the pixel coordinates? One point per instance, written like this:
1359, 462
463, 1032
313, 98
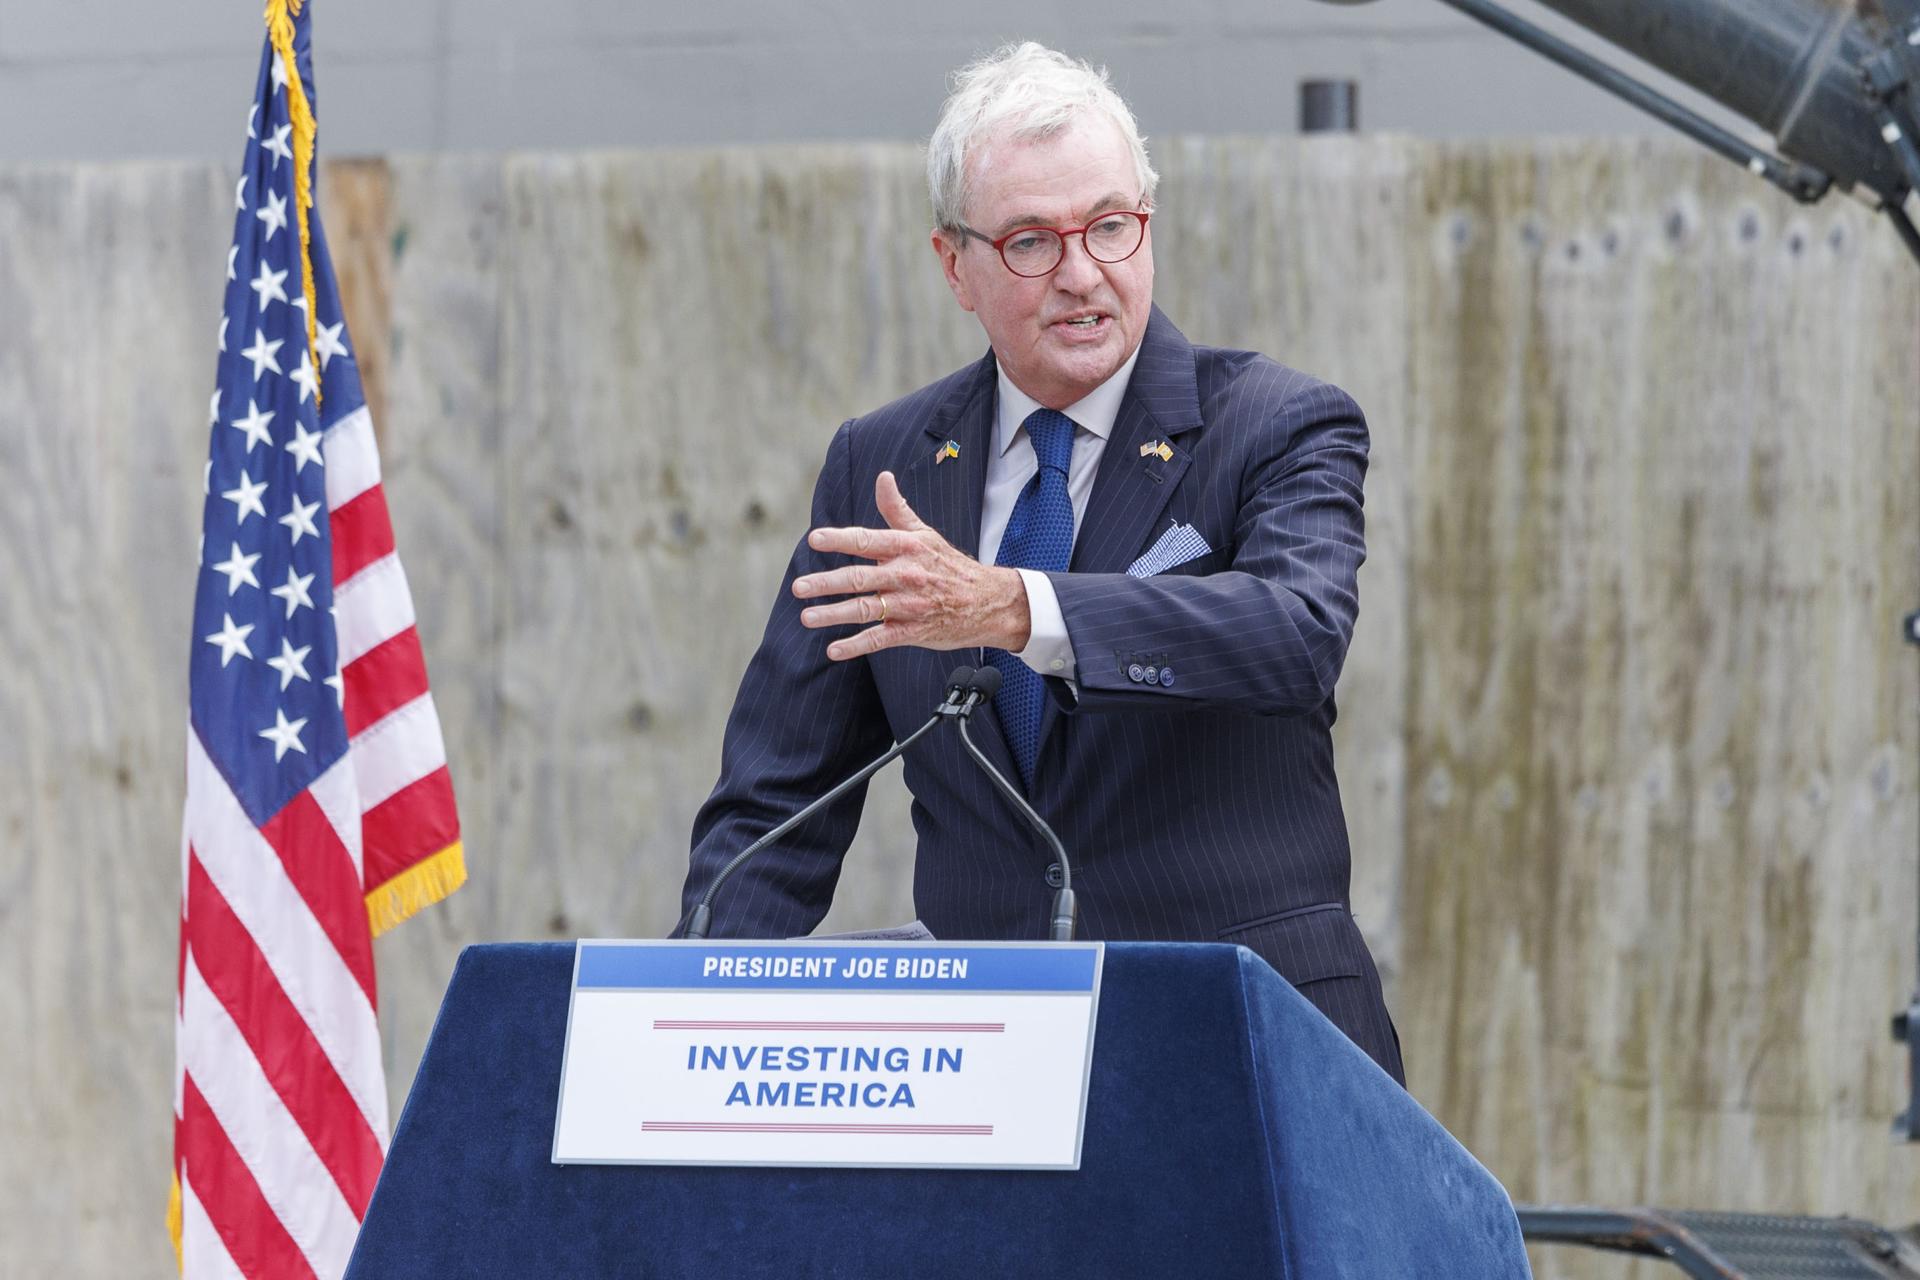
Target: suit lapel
1132, 488
946, 492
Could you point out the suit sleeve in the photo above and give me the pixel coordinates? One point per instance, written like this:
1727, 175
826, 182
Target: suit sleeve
1268, 633
800, 723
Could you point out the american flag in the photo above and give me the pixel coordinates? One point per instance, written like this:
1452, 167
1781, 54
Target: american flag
318, 806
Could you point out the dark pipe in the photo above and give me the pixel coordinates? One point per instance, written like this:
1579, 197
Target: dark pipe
1790, 66
1800, 181
1329, 106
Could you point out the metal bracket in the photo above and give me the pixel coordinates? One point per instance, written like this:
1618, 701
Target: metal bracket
1891, 74
1906, 1030
1730, 1246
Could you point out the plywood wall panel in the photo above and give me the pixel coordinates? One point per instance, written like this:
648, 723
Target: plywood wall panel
1626, 733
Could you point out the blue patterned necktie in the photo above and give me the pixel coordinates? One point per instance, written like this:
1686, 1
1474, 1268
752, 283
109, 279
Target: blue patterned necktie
1039, 536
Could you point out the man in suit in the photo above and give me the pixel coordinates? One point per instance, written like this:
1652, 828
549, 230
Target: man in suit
1155, 542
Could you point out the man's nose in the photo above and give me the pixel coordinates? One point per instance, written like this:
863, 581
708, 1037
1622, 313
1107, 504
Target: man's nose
1077, 272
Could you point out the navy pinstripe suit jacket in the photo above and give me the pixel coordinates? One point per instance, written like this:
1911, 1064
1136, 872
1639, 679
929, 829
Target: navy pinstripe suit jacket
1201, 810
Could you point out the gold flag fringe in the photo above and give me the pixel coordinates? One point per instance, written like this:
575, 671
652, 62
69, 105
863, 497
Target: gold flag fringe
174, 1226
280, 15
421, 885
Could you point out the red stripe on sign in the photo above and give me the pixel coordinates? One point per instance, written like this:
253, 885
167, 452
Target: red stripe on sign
384, 679
688, 1024
362, 533
413, 823
323, 871
282, 1043
748, 1126
255, 1239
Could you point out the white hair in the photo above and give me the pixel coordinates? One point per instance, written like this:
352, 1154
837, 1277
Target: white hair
1033, 91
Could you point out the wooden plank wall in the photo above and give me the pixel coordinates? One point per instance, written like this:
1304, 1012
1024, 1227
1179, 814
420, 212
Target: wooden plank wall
1627, 734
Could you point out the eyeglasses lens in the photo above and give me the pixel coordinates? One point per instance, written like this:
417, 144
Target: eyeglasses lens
1036, 251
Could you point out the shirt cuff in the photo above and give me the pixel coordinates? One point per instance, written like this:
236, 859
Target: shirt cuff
1049, 651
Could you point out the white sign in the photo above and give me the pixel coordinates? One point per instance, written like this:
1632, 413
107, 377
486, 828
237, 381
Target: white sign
878, 1054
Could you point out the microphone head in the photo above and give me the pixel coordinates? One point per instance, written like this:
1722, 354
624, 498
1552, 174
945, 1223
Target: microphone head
961, 680
986, 682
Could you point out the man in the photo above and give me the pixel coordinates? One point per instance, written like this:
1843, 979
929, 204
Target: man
1167, 538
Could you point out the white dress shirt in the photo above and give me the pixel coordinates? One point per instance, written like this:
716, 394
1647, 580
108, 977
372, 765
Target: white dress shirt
1011, 465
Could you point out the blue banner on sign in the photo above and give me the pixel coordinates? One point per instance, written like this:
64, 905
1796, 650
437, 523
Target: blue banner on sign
813, 967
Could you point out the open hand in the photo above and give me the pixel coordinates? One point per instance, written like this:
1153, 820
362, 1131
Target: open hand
919, 590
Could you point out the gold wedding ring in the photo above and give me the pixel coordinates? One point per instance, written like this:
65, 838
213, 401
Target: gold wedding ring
883, 605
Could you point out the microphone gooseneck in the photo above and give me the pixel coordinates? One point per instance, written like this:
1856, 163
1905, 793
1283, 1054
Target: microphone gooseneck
700, 919
968, 688
1066, 909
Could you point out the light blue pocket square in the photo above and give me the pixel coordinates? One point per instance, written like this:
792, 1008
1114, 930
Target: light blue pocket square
1175, 547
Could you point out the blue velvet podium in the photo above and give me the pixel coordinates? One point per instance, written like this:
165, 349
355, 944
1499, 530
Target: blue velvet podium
1231, 1131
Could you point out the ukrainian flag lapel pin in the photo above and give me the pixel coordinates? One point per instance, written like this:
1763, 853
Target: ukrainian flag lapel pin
1166, 452
951, 449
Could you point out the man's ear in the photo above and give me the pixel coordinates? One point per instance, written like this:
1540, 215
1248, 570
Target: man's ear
948, 250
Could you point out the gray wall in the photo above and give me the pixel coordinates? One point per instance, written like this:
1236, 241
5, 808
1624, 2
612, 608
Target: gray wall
110, 79
1627, 735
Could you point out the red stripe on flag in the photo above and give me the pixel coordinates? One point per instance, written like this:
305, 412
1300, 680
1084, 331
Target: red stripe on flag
323, 871
415, 822
362, 532
285, 1047
384, 679
255, 1239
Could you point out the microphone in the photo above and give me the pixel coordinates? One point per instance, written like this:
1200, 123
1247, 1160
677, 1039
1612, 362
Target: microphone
984, 684
968, 688
959, 687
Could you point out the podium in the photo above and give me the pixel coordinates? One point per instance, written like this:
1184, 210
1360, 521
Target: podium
1231, 1131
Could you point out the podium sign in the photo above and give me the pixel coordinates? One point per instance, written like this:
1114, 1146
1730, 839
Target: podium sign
881, 1055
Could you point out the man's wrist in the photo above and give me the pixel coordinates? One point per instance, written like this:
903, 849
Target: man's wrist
1014, 609
1049, 649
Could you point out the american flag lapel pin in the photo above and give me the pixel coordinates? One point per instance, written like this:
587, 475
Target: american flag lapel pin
951, 449
1150, 447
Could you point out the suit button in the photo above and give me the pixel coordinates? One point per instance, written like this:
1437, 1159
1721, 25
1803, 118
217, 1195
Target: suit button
1053, 875
1166, 677
1153, 675
1136, 673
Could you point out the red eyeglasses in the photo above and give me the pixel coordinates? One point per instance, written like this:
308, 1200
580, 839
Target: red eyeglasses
1037, 251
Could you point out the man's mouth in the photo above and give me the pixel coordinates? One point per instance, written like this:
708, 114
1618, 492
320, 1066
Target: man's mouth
1083, 323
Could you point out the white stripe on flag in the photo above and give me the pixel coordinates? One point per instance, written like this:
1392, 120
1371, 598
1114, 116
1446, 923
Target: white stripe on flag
337, 792
372, 606
203, 1256
351, 458
247, 872
291, 1177
398, 750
